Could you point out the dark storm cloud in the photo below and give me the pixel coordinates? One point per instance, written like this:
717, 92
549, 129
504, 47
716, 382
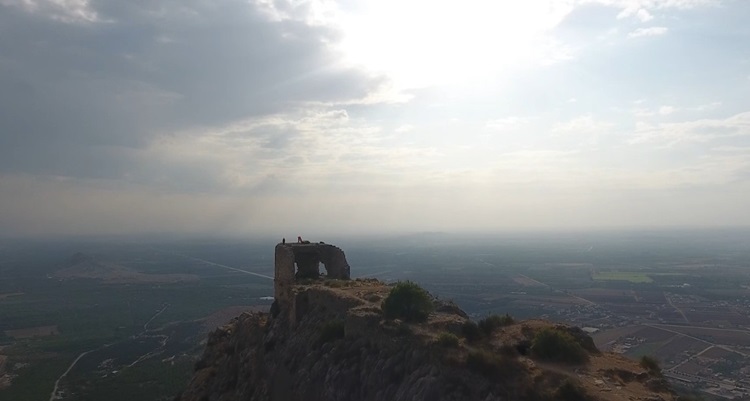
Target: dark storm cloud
76, 97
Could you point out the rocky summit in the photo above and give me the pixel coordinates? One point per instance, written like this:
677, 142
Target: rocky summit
333, 338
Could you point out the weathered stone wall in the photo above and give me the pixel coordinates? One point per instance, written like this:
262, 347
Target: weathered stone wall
335, 262
283, 275
307, 258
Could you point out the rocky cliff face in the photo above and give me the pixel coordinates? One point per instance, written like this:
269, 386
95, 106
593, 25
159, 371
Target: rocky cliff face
334, 344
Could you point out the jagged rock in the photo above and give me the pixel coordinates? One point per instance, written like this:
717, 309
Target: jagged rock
302, 354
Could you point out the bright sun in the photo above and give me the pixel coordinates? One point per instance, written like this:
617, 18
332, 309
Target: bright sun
423, 43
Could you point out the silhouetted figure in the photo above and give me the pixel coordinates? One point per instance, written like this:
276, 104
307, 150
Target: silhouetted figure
299, 239
283, 240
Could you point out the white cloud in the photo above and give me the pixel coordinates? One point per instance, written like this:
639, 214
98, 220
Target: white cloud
404, 128
640, 112
247, 114
644, 15
506, 123
697, 131
706, 107
586, 131
640, 8
651, 31
68, 11
582, 125
666, 110
323, 148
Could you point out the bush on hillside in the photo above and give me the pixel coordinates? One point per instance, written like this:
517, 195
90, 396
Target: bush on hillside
447, 340
571, 391
492, 365
408, 301
491, 323
651, 365
471, 332
330, 331
557, 346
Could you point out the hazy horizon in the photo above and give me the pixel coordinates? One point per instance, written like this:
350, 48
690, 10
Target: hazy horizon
261, 118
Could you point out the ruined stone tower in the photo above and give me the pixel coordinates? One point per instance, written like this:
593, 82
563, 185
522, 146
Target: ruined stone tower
307, 257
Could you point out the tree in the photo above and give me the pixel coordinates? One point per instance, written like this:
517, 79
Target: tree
558, 346
408, 301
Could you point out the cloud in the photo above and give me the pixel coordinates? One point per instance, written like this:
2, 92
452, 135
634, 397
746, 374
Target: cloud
652, 31
696, 131
404, 128
585, 124
507, 123
644, 15
666, 110
120, 116
81, 96
68, 11
640, 8
706, 107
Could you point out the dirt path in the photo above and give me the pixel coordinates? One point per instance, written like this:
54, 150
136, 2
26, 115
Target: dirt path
145, 325
669, 300
53, 396
208, 262
725, 348
674, 368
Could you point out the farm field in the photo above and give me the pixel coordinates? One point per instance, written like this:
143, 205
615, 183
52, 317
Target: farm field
631, 277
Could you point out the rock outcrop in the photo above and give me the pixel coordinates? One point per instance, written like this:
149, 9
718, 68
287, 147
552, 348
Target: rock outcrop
330, 341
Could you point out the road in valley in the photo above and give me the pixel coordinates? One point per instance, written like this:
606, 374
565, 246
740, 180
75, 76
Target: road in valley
55, 390
669, 300
53, 396
725, 348
208, 262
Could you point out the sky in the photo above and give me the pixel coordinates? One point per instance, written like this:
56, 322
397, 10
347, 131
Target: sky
323, 116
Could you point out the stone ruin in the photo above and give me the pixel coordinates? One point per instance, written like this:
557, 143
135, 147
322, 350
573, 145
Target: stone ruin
302, 260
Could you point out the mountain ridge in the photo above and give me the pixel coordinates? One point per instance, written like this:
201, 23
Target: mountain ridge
332, 342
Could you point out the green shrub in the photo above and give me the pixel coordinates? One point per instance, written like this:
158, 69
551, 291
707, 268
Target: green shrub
330, 331
491, 365
651, 365
408, 301
506, 320
508, 351
483, 362
569, 390
527, 331
471, 332
557, 346
491, 323
447, 340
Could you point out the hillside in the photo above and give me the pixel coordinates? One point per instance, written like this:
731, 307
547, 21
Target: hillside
333, 343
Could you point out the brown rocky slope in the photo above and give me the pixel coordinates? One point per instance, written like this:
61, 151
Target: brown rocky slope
334, 344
